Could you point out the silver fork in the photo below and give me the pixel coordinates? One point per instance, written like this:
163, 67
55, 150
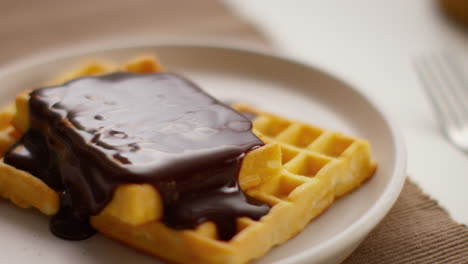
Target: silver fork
447, 89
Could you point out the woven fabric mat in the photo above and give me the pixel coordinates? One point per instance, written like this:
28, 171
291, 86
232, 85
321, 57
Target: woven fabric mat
416, 230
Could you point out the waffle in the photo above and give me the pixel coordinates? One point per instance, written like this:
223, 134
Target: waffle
299, 172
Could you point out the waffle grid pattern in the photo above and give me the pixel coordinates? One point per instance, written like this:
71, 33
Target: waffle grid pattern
306, 150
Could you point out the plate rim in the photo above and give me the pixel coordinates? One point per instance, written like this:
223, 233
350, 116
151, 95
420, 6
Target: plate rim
354, 232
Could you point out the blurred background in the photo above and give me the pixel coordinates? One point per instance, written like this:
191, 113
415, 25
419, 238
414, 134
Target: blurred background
370, 43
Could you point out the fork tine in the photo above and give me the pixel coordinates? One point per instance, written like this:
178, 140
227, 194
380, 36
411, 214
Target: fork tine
432, 85
460, 83
453, 90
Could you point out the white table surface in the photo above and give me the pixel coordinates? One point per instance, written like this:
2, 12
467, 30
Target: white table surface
371, 43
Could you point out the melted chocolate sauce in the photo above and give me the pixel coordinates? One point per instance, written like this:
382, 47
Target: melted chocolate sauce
92, 134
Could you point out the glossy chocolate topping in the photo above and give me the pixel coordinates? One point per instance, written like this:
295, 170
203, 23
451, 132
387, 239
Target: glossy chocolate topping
92, 134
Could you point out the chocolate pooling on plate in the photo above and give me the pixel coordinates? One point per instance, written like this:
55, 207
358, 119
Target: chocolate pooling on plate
92, 134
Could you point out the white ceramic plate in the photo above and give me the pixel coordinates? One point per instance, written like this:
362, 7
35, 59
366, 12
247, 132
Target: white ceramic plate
269, 82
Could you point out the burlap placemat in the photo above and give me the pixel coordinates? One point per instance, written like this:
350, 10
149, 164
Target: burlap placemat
416, 230
29, 27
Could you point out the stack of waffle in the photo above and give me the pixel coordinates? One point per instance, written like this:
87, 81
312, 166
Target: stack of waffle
299, 172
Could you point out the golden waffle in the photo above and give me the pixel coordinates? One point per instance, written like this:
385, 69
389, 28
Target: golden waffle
299, 172
8, 134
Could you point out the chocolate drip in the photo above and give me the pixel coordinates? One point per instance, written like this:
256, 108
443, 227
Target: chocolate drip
92, 134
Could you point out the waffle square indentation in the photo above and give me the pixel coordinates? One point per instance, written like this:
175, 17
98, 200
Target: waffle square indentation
337, 145
307, 164
270, 126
